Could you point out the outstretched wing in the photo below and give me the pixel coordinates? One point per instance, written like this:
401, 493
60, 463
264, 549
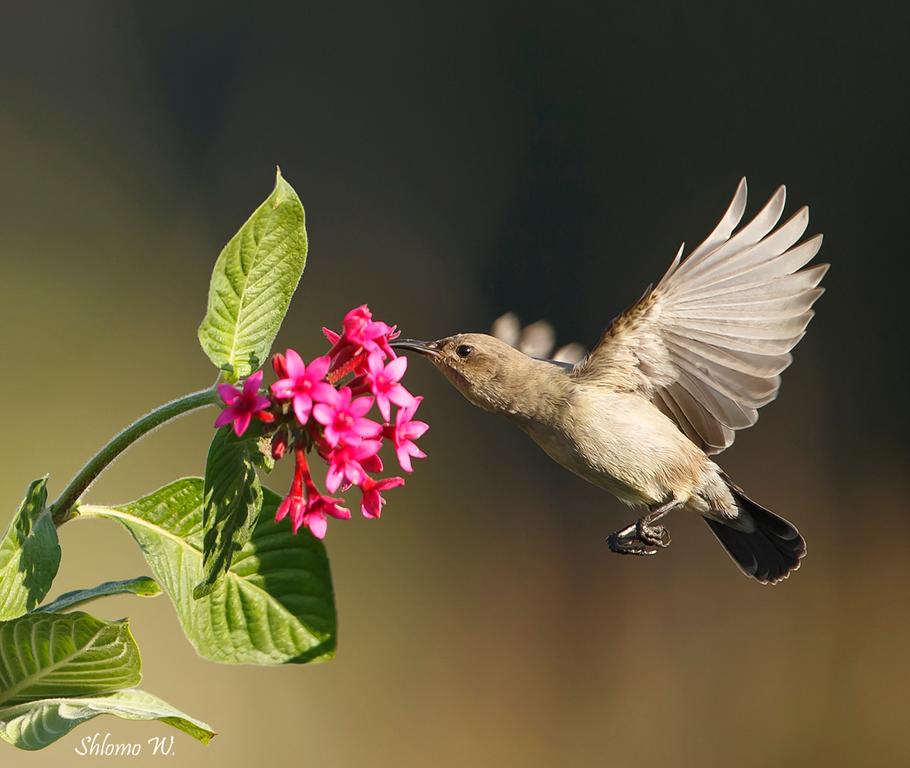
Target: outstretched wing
708, 344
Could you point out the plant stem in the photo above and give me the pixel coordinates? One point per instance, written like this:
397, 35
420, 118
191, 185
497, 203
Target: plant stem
62, 509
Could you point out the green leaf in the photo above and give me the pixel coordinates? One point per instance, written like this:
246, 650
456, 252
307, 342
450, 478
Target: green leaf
233, 498
275, 604
253, 282
141, 585
29, 554
260, 434
262, 455
45, 655
35, 724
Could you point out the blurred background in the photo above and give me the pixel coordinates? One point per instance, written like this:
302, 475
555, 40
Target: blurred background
456, 162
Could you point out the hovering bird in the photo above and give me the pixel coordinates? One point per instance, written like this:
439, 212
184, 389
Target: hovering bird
668, 385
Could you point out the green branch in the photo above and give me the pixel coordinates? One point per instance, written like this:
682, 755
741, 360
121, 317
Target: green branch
62, 508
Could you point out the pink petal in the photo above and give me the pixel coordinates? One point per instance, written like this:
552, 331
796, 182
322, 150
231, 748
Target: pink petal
261, 403
367, 448
385, 408
322, 391
283, 388
360, 406
283, 508
333, 478
252, 384
414, 429
297, 514
371, 506
332, 508
396, 368
400, 396
389, 482
404, 459
366, 428
302, 405
358, 313
376, 329
227, 393
317, 524
372, 463
225, 417
323, 413
407, 412
414, 451
241, 423
294, 364
332, 436
318, 368
332, 398
374, 363
331, 335
354, 473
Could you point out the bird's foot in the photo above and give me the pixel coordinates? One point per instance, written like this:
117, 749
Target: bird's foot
643, 538
623, 545
652, 535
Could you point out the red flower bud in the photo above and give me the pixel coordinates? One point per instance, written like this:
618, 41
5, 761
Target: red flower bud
279, 365
279, 443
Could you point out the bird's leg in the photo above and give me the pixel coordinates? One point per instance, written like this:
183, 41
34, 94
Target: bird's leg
643, 537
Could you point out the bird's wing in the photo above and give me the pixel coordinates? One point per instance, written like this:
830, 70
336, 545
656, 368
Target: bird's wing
708, 344
571, 353
507, 328
536, 340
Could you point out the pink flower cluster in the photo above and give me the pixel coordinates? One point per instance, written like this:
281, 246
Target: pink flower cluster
324, 405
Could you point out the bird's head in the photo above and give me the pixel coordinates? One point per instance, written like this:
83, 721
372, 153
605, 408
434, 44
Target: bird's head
487, 371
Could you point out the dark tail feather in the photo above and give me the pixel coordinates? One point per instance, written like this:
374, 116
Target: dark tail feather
768, 554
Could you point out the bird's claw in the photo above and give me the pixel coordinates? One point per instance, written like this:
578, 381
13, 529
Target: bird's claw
644, 538
622, 546
652, 535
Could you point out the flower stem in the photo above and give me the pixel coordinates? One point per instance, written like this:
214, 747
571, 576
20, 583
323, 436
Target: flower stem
62, 509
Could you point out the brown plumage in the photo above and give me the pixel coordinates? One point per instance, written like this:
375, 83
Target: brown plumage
669, 383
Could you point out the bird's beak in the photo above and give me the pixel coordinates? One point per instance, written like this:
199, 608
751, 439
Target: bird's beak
429, 348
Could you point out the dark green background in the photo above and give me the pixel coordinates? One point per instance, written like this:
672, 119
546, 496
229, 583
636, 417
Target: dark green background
455, 162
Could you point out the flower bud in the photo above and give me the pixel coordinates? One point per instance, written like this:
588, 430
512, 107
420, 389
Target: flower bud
280, 443
279, 365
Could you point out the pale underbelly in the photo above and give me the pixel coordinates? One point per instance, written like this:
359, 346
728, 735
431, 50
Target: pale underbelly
624, 445
569, 455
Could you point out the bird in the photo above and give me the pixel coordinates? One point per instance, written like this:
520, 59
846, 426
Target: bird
668, 385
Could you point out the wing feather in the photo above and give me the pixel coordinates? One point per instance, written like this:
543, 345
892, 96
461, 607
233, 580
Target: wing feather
665, 401
708, 344
711, 434
729, 221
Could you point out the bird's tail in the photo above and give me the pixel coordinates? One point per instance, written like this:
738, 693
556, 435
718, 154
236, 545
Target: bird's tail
771, 551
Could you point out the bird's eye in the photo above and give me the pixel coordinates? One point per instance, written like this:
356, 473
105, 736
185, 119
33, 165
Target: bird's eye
463, 350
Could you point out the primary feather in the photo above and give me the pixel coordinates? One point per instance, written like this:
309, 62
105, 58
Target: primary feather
708, 344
